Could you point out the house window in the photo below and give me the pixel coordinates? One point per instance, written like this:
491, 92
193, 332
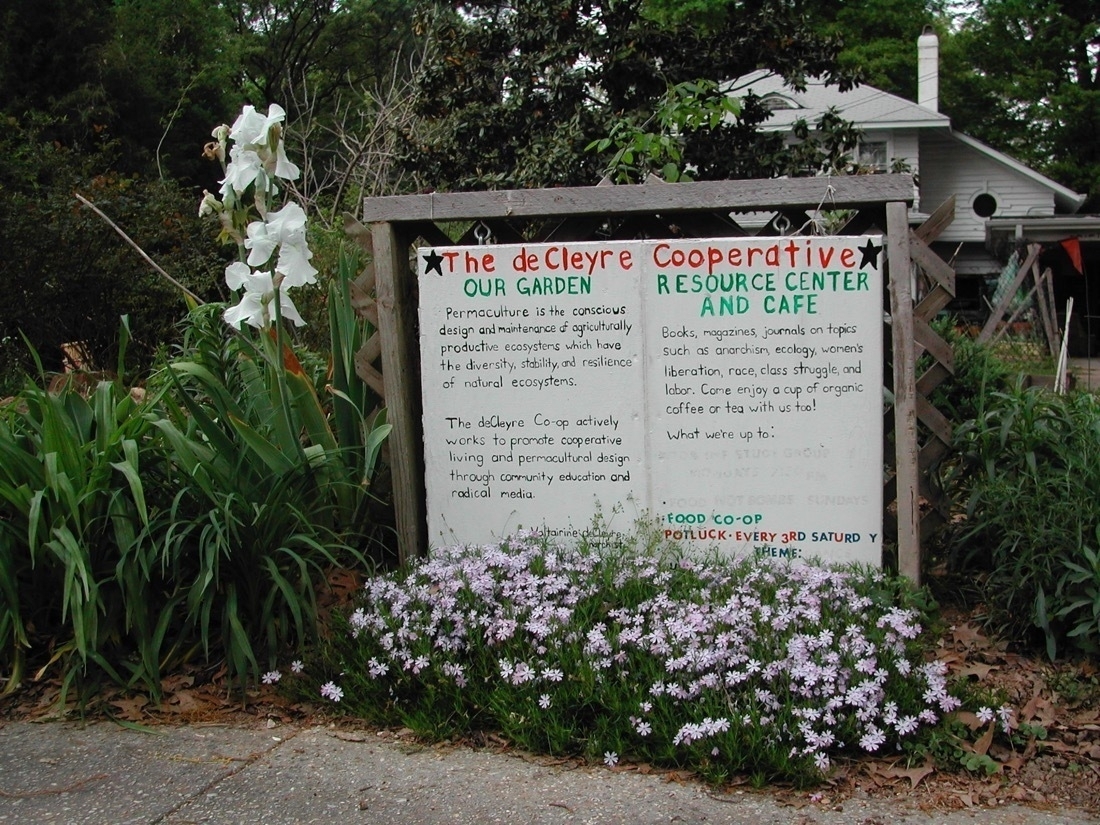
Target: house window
871, 155
985, 205
775, 102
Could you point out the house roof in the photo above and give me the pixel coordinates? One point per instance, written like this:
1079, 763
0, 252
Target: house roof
1066, 199
1047, 229
869, 109
865, 106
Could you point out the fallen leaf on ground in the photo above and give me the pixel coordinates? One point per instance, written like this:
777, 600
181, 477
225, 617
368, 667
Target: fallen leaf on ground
186, 701
977, 669
131, 708
914, 774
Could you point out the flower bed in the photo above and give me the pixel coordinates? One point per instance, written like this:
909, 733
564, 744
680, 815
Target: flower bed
631, 652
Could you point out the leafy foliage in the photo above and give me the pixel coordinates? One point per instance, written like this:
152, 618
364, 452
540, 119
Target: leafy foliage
308, 51
137, 533
1031, 84
687, 107
1031, 519
979, 372
66, 277
512, 93
79, 475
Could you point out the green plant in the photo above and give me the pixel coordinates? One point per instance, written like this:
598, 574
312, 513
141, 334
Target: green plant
978, 373
1029, 474
1080, 587
138, 530
1073, 685
275, 479
632, 650
639, 151
80, 565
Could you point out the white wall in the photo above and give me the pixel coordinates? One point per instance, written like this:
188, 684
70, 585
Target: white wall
953, 168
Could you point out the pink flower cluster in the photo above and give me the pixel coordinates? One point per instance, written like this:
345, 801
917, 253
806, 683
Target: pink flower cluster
799, 655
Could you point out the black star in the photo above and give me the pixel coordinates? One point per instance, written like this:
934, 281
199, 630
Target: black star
433, 261
870, 254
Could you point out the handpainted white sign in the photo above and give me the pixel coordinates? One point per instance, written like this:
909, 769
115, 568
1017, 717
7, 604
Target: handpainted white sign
732, 388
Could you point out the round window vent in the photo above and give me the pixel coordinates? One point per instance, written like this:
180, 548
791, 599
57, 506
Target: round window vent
985, 205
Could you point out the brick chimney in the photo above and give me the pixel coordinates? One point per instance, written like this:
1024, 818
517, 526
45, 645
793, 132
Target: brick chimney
928, 70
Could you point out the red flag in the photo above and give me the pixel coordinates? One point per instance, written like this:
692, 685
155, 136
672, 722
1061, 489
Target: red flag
1073, 249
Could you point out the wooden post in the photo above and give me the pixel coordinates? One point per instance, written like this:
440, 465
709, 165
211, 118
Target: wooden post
396, 323
905, 404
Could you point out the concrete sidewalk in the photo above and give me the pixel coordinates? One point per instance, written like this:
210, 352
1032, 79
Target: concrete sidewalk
102, 773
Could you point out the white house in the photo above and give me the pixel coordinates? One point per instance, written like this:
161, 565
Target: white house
1000, 203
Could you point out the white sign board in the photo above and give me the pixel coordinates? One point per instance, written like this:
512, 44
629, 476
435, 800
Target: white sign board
730, 387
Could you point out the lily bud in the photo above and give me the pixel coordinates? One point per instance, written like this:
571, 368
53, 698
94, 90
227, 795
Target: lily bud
209, 204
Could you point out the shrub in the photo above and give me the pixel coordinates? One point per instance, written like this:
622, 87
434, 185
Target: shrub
1030, 531
631, 651
979, 372
136, 533
67, 277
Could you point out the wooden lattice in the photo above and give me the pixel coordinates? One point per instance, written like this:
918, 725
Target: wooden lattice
924, 508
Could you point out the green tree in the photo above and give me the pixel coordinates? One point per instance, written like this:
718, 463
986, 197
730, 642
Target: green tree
65, 277
512, 93
304, 53
880, 40
877, 39
1033, 88
48, 63
170, 70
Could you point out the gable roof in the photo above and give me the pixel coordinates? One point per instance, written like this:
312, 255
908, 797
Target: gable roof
1066, 199
869, 109
865, 106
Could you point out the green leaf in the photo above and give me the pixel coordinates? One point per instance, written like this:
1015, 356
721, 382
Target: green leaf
268, 453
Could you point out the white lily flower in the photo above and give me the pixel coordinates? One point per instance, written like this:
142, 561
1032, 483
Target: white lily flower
209, 204
259, 289
244, 168
283, 167
294, 265
236, 275
287, 227
260, 244
253, 129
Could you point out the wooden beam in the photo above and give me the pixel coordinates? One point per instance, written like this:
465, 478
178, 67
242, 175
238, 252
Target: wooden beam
936, 299
365, 370
400, 370
933, 377
998, 312
372, 348
429, 232
938, 221
931, 264
932, 343
905, 403
1046, 313
1037, 287
933, 419
702, 196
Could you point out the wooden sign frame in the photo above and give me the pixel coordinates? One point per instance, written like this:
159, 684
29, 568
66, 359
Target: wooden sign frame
919, 285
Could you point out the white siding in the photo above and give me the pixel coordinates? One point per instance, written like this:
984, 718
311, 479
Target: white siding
953, 168
905, 147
